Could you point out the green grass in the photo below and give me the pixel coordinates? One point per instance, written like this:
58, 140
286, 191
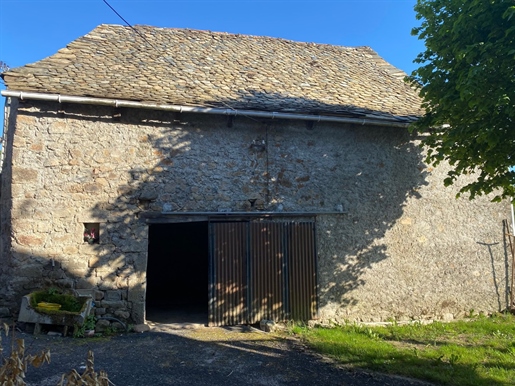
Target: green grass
475, 352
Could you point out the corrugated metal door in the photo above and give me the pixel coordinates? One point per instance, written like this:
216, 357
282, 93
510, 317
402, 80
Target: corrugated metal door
261, 270
228, 274
267, 280
302, 271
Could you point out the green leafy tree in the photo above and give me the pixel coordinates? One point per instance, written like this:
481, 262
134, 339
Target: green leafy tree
466, 79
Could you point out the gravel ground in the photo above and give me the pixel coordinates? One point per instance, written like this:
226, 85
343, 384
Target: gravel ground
202, 356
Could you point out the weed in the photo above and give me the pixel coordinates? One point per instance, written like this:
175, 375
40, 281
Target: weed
14, 367
88, 324
53, 291
454, 358
12, 372
89, 378
371, 333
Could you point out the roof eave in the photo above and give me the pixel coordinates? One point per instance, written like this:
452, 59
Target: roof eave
24, 95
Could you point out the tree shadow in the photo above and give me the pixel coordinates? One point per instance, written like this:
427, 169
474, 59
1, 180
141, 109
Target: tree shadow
121, 167
500, 302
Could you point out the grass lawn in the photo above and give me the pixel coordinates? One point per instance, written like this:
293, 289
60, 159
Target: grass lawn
477, 351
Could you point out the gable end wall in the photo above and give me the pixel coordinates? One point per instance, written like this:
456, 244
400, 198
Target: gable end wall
406, 248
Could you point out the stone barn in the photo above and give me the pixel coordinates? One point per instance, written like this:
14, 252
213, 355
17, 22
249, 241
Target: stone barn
244, 177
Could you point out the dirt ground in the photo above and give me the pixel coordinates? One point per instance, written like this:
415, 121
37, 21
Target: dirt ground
171, 355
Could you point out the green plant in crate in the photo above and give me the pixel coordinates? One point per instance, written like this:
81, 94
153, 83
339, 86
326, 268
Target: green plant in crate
68, 302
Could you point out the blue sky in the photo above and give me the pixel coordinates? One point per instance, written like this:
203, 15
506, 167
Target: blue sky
32, 30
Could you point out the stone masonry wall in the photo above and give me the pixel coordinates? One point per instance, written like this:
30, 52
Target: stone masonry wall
406, 248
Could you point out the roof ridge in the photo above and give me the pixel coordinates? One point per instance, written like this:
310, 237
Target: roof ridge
234, 34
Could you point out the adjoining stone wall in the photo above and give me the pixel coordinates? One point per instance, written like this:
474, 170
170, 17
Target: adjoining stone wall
6, 276
406, 248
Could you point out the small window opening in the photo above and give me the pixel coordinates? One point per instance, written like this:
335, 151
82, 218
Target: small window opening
91, 233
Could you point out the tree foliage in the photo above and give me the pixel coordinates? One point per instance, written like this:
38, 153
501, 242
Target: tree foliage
467, 81
3, 67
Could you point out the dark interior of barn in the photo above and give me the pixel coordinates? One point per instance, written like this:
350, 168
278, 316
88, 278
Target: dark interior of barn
177, 273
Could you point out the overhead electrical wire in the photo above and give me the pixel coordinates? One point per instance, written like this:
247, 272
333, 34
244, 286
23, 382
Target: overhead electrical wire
164, 57
129, 24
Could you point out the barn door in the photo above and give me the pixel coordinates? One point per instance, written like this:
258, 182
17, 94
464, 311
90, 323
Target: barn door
228, 273
302, 270
261, 270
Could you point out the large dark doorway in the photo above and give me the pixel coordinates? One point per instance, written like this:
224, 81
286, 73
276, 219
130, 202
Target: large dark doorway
177, 273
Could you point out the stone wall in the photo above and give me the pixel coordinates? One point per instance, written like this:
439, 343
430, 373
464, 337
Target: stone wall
405, 247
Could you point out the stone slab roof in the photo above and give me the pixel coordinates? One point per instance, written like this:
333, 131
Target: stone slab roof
203, 68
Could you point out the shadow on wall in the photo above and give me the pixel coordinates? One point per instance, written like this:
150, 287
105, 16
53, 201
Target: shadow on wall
172, 162
380, 184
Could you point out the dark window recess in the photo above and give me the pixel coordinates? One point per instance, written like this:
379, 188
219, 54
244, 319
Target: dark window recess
92, 233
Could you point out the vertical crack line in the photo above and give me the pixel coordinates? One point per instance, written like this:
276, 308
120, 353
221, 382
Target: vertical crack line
267, 171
